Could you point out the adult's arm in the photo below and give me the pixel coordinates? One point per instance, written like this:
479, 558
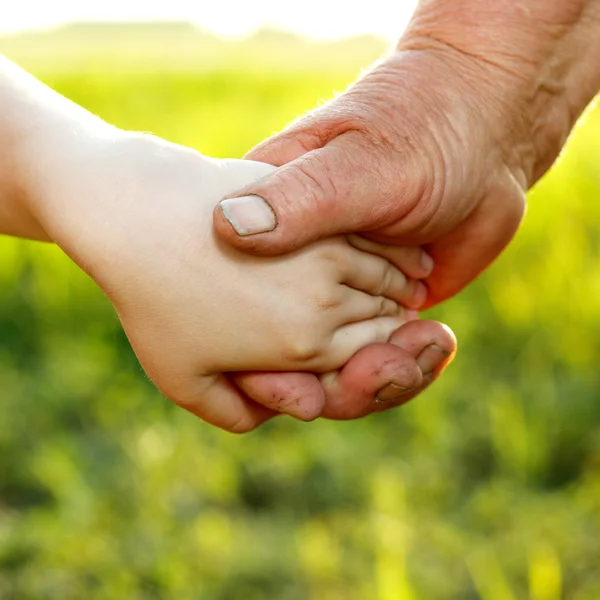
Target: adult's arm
436, 145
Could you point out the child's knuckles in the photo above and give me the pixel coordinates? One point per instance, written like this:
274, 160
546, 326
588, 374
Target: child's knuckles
336, 256
389, 308
386, 279
303, 345
329, 302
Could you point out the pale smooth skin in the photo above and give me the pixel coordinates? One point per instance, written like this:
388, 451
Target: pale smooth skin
135, 212
436, 145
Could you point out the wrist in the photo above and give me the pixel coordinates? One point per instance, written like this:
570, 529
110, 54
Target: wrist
15, 216
44, 135
532, 67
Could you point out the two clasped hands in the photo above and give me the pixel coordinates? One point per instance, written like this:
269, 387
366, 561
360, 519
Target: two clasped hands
289, 282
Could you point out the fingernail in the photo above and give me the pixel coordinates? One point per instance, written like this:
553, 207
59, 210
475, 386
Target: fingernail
420, 295
391, 392
426, 262
249, 215
431, 358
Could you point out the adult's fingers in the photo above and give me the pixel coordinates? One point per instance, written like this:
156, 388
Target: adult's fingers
299, 395
382, 376
396, 372
466, 251
303, 136
219, 403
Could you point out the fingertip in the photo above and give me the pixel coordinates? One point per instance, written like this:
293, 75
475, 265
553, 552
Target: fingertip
415, 336
238, 232
300, 407
299, 395
432, 359
353, 391
419, 296
248, 215
382, 376
427, 263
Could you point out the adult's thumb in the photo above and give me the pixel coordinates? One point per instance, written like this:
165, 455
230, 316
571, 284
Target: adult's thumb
333, 189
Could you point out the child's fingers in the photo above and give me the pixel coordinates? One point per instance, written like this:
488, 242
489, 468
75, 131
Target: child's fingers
360, 306
220, 403
379, 277
349, 339
411, 260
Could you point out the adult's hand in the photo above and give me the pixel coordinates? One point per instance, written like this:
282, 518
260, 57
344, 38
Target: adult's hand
435, 146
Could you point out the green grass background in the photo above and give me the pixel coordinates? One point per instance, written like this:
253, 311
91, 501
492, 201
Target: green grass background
486, 487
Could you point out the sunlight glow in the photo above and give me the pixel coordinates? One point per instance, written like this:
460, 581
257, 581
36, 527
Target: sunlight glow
324, 19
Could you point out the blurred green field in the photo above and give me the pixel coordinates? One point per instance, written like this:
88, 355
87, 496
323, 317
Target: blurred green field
486, 487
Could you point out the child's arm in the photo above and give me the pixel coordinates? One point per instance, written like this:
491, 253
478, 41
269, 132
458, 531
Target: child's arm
38, 129
135, 213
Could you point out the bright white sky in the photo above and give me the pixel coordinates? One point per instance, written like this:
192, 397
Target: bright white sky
314, 18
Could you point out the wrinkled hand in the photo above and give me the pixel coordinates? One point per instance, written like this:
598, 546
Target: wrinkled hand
435, 146
411, 154
419, 151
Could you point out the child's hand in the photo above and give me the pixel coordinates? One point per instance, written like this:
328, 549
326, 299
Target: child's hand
135, 212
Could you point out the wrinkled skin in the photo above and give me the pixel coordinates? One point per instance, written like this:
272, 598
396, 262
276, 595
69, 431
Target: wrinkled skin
435, 146
399, 174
